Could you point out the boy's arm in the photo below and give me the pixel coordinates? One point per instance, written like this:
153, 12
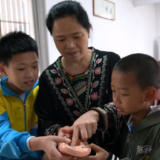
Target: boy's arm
12, 143
48, 116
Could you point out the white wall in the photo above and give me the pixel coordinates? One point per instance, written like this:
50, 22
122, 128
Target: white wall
157, 39
157, 6
134, 29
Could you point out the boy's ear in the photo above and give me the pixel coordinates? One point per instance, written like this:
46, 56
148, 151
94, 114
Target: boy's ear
2, 70
150, 93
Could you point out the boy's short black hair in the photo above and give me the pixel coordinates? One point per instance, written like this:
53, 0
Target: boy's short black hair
14, 43
67, 8
144, 67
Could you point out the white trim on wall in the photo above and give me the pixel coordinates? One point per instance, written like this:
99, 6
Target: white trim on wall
158, 41
144, 2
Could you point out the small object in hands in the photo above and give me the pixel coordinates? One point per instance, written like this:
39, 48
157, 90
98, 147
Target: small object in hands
76, 151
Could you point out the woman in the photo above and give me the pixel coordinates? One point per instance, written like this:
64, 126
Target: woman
77, 82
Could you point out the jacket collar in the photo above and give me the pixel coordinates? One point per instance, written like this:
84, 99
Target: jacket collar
6, 91
150, 120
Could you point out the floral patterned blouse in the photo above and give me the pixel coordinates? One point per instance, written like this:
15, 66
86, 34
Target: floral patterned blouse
63, 98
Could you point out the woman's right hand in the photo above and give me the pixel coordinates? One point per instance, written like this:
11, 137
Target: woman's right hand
83, 128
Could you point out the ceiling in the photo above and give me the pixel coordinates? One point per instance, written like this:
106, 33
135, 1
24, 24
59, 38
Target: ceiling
143, 2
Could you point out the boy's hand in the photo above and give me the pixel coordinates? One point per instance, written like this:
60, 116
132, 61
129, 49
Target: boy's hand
45, 157
48, 144
101, 154
64, 134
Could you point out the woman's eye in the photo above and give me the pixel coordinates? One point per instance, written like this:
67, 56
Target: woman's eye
35, 66
20, 69
61, 40
77, 37
124, 95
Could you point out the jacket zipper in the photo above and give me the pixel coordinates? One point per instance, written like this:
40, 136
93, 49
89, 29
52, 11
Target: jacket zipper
24, 116
131, 144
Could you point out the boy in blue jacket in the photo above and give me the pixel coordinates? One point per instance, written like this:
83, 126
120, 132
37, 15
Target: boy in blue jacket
18, 91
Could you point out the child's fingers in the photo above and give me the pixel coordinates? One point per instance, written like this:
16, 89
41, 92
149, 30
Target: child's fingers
45, 157
61, 139
85, 158
55, 154
95, 147
67, 130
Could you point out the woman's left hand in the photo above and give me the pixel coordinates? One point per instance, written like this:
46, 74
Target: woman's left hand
84, 127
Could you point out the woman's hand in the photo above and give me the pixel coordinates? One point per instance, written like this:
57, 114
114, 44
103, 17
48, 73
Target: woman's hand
84, 127
101, 154
49, 145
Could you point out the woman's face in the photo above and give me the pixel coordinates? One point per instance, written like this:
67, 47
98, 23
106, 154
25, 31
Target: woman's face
70, 38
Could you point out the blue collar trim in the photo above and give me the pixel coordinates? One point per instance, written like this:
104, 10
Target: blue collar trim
8, 92
131, 128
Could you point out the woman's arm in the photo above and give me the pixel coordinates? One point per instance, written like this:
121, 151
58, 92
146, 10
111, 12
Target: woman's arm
104, 118
108, 116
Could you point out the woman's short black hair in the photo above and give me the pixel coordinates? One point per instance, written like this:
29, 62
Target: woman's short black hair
14, 43
65, 9
143, 66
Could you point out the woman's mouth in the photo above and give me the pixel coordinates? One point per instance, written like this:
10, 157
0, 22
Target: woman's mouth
72, 53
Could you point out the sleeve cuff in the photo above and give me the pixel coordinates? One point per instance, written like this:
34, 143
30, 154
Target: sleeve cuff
22, 143
103, 118
27, 142
112, 157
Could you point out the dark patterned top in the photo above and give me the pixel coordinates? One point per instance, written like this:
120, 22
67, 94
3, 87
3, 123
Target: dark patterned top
63, 98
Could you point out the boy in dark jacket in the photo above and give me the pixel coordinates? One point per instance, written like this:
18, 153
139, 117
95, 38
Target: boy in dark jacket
134, 82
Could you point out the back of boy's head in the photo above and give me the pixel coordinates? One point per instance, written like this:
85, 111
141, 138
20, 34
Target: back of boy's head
143, 66
14, 43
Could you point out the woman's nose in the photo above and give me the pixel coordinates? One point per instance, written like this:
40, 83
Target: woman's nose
70, 43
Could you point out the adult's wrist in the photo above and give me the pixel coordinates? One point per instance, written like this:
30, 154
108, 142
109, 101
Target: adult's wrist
95, 114
103, 118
